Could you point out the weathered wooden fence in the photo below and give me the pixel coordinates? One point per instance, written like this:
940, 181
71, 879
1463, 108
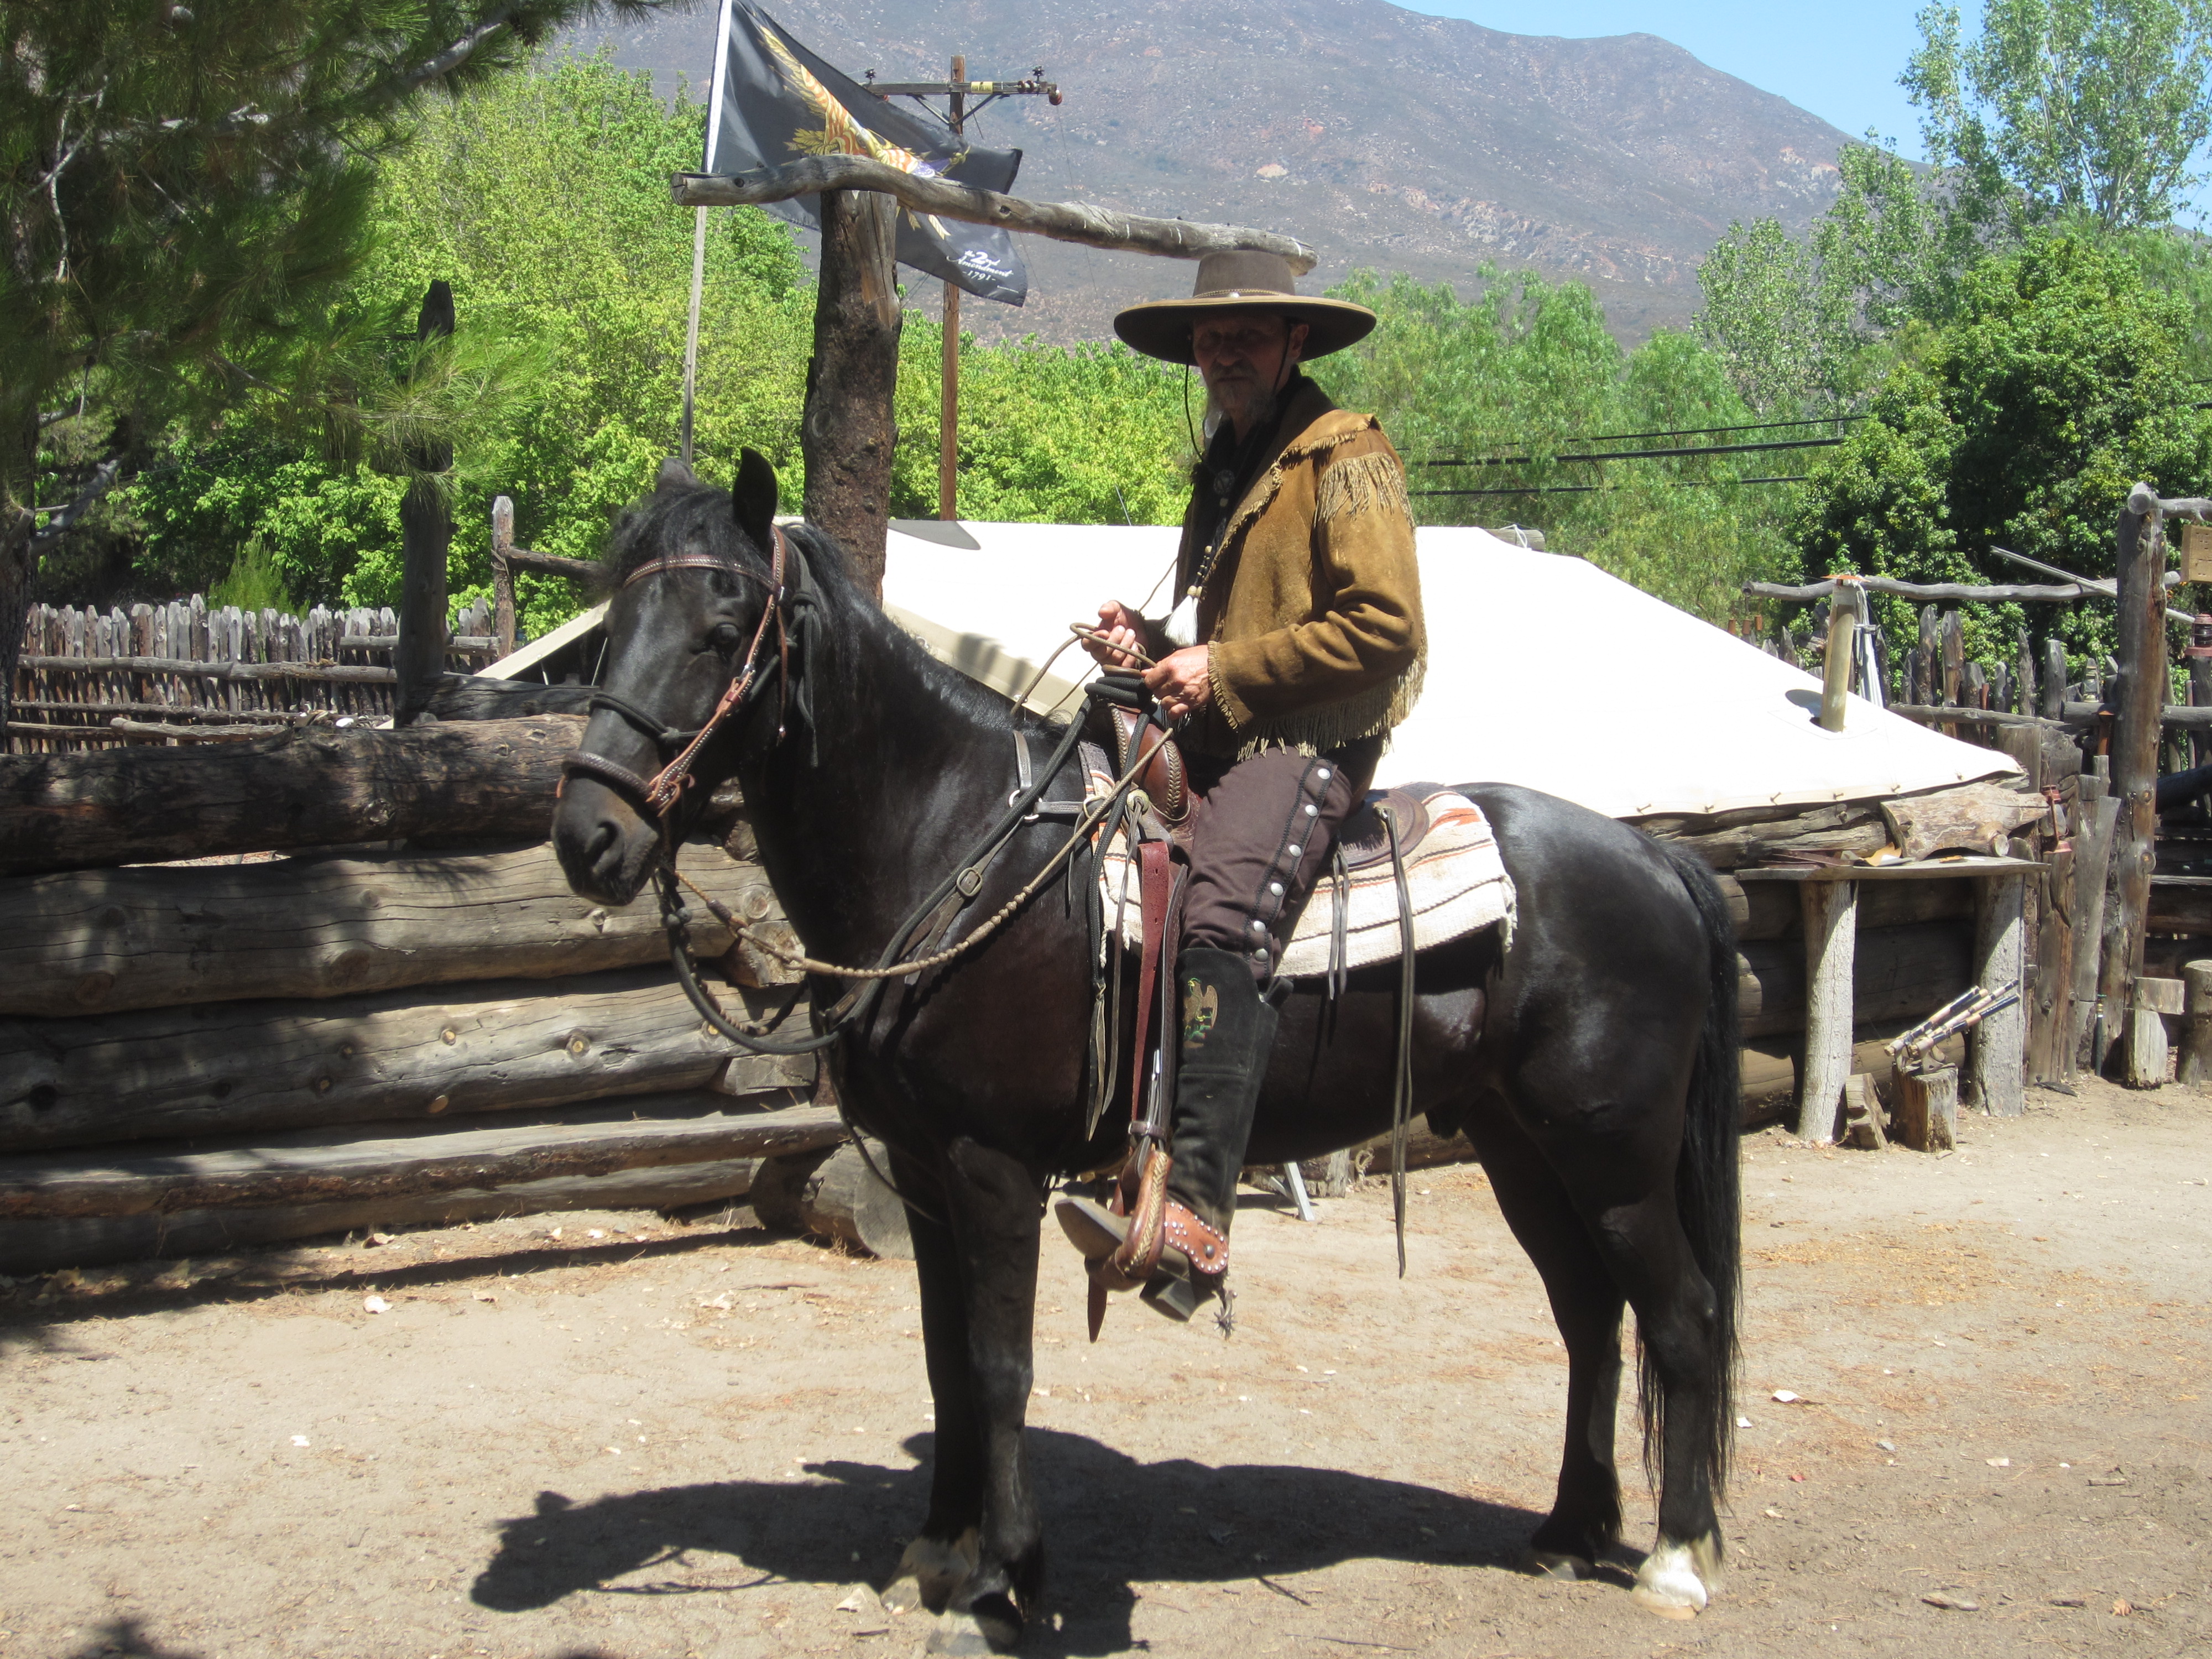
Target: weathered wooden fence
182, 672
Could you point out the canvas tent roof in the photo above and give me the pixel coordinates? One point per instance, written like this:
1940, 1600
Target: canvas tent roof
1543, 671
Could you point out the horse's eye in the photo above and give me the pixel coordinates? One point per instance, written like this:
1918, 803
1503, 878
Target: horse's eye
726, 639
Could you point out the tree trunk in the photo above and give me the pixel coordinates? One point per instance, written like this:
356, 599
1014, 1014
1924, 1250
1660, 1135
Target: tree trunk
310, 787
2142, 563
847, 428
19, 457
426, 530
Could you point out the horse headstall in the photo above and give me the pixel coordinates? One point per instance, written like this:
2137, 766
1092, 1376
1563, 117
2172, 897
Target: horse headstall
659, 794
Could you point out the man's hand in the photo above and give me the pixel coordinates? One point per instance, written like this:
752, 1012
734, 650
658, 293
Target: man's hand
1126, 631
1180, 681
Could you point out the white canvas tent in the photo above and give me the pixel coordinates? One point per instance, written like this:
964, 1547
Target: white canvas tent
1543, 671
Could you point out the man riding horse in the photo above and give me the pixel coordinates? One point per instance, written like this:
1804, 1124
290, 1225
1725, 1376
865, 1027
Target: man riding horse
1297, 644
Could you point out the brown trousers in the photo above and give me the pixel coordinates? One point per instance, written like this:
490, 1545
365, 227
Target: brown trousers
1261, 831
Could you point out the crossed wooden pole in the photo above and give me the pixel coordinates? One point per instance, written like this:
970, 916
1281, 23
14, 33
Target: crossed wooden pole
847, 431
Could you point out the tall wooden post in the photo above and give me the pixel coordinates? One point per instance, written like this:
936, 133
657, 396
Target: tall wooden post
847, 428
2092, 856
948, 419
2053, 705
502, 572
2200, 684
1996, 1070
2141, 566
1830, 916
1846, 610
426, 532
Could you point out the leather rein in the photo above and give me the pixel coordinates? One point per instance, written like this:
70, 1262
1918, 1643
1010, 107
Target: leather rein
665, 790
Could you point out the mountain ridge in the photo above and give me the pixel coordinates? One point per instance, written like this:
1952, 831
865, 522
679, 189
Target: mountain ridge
1386, 138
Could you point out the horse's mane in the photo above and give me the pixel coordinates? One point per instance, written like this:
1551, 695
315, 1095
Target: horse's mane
694, 516
676, 517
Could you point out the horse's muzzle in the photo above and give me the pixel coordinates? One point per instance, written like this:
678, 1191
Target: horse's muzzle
606, 847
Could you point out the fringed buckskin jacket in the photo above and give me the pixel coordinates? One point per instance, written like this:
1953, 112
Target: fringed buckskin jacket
1313, 609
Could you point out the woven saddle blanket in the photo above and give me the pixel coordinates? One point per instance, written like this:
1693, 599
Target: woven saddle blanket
1453, 871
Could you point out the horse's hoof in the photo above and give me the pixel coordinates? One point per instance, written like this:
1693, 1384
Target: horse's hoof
1667, 1583
998, 1618
1557, 1564
931, 1572
961, 1636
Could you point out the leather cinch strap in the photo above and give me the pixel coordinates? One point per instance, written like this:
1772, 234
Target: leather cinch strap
1154, 882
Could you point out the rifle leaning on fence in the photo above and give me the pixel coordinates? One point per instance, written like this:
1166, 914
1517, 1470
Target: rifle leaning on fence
1966, 1010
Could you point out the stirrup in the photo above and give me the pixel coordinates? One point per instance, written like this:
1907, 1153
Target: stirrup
1172, 1288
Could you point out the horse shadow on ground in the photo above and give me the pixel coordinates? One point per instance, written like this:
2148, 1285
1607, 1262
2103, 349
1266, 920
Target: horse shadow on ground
1111, 1524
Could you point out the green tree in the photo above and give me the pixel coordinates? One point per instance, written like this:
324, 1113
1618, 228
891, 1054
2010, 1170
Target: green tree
1525, 372
543, 198
177, 185
1802, 325
2022, 425
2084, 108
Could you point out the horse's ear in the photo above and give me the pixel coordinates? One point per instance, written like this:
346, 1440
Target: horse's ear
673, 474
754, 498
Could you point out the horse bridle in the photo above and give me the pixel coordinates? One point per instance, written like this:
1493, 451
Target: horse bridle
661, 792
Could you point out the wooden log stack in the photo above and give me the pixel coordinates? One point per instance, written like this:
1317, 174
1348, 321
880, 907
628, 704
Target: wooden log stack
409, 1017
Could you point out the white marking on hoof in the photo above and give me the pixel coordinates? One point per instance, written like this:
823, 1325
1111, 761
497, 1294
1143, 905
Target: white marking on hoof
1552, 1564
957, 1634
931, 1573
1668, 1582
1705, 1555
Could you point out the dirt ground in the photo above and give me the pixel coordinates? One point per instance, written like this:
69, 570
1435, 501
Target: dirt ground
642, 1438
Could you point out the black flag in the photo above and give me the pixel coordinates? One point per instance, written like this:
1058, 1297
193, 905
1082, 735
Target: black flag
775, 100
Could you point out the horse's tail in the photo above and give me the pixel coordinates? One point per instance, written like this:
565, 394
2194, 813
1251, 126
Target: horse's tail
1706, 1196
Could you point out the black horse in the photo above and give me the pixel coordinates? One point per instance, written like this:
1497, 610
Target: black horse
1593, 1062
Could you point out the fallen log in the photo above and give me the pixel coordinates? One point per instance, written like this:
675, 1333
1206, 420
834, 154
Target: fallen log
830, 1194
312, 786
403, 1160
106, 941
31, 1247
156, 731
1731, 841
94, 1242
481, 697
1978, 818
236, 1068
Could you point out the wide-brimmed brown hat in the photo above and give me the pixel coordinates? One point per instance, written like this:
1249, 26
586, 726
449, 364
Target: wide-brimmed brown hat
1242, 281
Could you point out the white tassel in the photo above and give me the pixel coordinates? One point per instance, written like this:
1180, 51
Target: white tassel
1181, 625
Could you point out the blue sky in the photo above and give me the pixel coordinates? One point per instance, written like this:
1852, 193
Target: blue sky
1841, 66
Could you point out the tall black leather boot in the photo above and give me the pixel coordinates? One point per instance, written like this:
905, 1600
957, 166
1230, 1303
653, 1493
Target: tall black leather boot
1228, 1030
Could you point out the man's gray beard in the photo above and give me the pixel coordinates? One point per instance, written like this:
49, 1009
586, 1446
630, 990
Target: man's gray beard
1217, 411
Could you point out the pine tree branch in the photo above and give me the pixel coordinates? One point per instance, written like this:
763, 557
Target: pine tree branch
513, 15
105, 477
457, 53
